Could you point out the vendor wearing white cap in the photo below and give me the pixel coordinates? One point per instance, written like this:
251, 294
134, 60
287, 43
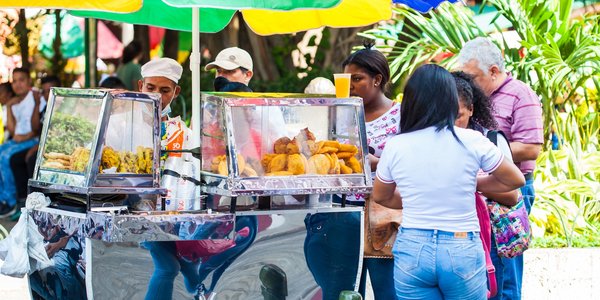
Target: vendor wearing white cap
162, 76
233, 63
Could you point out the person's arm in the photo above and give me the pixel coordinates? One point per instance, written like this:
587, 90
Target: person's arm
36, 125
506, 178
11, 122
386, 194
509, 198
373, 161
524, 152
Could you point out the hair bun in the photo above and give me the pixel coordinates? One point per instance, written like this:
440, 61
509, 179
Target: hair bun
368, 44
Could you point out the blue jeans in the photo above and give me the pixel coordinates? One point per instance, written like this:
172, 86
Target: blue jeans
381, 273
8, 190
509, 271
433, 264
331, 249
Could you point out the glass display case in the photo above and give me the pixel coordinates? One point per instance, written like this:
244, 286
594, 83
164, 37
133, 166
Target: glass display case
99, 142
283, 144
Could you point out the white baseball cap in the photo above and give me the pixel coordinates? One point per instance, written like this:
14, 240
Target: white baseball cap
231, 58
163, 67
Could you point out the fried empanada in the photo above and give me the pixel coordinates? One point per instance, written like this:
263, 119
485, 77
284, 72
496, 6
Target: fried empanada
266, 160
278, 163
318, 164
353, 163
296, 164
327, 149
333, 144
335, 164
344, 169
222, 168
345, 155
348, 148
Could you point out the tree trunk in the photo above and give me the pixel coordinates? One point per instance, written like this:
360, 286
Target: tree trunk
58, 62
141, 34
171, 44
23, 34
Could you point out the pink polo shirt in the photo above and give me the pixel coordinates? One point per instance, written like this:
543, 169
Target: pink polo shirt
518, 111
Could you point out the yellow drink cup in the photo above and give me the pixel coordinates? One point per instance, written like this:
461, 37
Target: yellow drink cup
342, 85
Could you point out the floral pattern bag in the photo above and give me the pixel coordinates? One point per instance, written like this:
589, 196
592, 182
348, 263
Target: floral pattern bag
510, 228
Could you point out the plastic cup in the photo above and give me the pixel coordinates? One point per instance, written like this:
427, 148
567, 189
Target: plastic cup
342, 85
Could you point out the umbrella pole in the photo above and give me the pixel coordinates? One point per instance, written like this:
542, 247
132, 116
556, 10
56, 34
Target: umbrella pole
195, 68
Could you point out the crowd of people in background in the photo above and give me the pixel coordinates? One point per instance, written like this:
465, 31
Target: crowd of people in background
429, 156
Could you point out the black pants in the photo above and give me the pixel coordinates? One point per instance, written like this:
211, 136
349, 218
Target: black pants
22, 168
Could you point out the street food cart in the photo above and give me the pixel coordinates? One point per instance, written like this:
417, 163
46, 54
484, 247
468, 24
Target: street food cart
266, 162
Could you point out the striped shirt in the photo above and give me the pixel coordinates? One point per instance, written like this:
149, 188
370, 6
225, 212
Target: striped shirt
518, 111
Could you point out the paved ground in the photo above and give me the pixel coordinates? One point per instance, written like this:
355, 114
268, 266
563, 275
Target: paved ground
548, 275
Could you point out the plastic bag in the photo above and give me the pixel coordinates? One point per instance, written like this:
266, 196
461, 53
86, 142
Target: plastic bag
23, 250
13, 250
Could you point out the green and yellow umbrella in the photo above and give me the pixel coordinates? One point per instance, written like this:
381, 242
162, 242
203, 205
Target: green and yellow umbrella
265, 17
120, 6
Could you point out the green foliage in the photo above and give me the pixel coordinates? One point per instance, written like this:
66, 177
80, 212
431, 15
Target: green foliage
68, 132
559, 58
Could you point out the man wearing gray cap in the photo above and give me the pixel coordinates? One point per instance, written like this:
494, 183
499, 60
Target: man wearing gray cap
162, 76
233, 63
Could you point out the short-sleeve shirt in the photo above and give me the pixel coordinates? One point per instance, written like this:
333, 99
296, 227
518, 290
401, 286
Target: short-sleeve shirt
518, 111
436, 176
379, 131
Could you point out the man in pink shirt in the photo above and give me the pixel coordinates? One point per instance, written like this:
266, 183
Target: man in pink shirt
518, 112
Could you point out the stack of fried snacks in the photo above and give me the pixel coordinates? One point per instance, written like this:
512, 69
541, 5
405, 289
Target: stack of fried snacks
219, 166
57, 160
324, 157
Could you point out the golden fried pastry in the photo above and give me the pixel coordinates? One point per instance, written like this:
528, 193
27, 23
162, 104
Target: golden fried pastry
110, 158
292, 148
353, 163
327, 149
249, 172
348, 148
318, 164
280, 146
344, 169
297, 164
279, 173
266, 160
333, 144
335, 164
79, 159
56, 155
222, 168
345, 155
278, 163
241, 162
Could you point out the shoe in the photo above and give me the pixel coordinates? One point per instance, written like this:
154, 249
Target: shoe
15, 216
6, 210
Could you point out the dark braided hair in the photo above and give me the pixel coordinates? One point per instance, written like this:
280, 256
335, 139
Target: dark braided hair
472, 96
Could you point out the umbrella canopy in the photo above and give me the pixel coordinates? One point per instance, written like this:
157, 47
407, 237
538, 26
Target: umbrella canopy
422, 6
349, 13
122, 6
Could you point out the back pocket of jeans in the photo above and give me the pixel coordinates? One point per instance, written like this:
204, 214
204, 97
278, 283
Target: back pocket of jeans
467, 260
407, 254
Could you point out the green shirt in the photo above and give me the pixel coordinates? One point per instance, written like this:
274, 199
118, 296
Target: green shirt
130, 73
